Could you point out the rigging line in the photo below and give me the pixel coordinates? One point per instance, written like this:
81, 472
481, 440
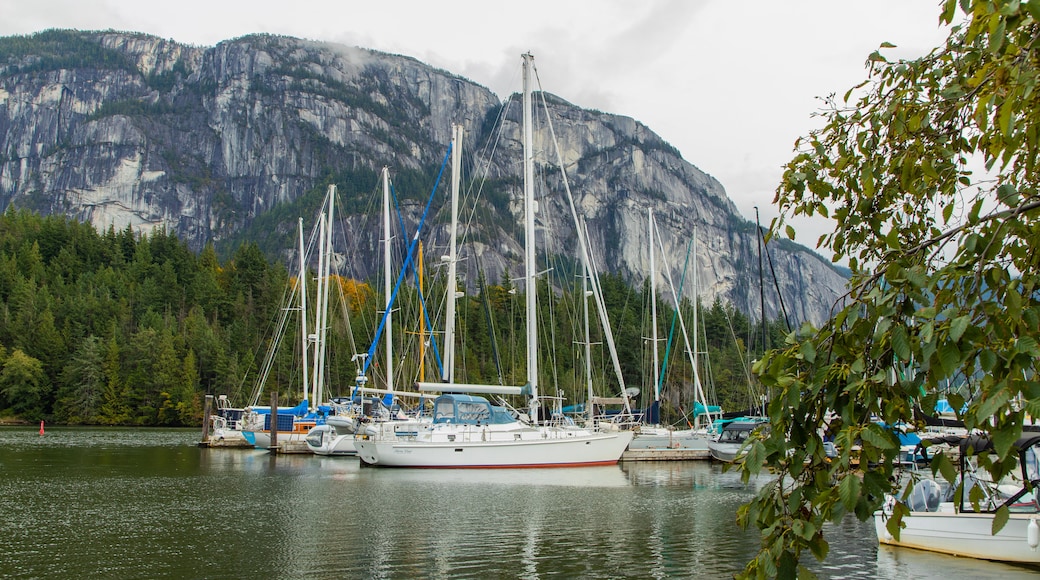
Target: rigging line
776, 283
415, 275
675, 315
490, 320
588, 259
288, 299
484, 161
344, 307
698, 389
408, 260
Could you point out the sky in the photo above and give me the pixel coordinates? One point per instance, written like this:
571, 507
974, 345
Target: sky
730, 84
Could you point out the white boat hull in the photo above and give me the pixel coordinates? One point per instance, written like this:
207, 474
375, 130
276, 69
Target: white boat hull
328, 440
262, 439
726, 452
962, 534
489, 449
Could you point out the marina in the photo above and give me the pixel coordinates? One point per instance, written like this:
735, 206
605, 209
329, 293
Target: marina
135, 503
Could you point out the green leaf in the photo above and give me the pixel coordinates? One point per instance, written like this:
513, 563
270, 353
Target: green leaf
1027, 345
755, 457
901, 343
941, 463
1000, 519
949, 357
803, 529
995, 400
808, 351
958, 326
1005, 437
875, 435
848, 491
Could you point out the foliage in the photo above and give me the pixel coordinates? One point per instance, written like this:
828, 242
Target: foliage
929, 170
55, 49
117, 328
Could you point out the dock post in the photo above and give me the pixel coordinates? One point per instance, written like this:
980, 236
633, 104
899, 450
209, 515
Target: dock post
205, 418
274, 422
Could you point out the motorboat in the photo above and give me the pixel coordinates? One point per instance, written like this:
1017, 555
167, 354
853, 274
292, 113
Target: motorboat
944, 518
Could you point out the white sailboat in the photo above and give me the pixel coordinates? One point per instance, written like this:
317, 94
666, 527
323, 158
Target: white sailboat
336, 436
294, 424
467, 430
656, 440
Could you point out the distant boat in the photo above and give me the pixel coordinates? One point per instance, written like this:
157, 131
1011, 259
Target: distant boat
651, 436
293, 424
467, 430
942, 518
733, 436
226, 425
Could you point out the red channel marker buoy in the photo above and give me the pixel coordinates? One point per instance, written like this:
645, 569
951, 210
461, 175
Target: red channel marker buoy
41, 427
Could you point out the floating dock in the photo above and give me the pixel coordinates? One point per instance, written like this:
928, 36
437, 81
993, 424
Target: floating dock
665, 455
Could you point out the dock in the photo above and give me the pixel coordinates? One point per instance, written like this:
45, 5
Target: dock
230, 443
663, 454
291, 448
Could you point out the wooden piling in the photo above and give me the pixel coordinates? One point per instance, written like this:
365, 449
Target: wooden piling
205, 418
274, 422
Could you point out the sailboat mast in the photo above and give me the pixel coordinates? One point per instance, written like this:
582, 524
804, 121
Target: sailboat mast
448, 372
586, 293
316, 337
302, 289
529, 241
653, 310
422, 319
321, 298
387, 288
761, 292
696, 328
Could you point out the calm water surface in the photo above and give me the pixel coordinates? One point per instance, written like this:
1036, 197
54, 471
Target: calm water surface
125, 503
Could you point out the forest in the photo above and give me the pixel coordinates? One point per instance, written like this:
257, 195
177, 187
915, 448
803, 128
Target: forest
120, 328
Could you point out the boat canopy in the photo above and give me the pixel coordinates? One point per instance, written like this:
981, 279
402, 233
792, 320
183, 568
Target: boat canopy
975, 444
468, 410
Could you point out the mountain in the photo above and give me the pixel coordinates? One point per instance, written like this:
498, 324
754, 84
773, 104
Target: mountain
234, 142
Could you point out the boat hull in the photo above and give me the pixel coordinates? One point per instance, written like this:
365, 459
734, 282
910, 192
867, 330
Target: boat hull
726, 452
962, 534
262, 439
327, 440
561, 451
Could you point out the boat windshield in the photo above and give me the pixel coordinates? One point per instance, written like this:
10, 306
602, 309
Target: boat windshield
458, 410
734, 435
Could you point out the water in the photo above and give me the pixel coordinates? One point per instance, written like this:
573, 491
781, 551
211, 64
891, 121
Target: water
125, 503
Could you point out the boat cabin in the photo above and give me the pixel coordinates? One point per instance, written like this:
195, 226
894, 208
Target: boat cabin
463, 409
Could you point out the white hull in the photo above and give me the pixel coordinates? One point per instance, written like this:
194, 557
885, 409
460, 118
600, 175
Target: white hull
479, 447
962, 534
726, 452
327, 440
262, 439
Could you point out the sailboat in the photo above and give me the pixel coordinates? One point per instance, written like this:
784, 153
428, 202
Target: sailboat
653, 440
366, 405
294, 424
942, 517
469, 431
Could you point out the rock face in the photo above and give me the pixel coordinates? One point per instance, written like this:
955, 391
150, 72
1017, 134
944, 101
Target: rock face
225, 143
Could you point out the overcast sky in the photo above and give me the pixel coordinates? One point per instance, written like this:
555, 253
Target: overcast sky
730, 84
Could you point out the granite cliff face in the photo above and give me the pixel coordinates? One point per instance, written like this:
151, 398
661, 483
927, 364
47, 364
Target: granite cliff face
215, 143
